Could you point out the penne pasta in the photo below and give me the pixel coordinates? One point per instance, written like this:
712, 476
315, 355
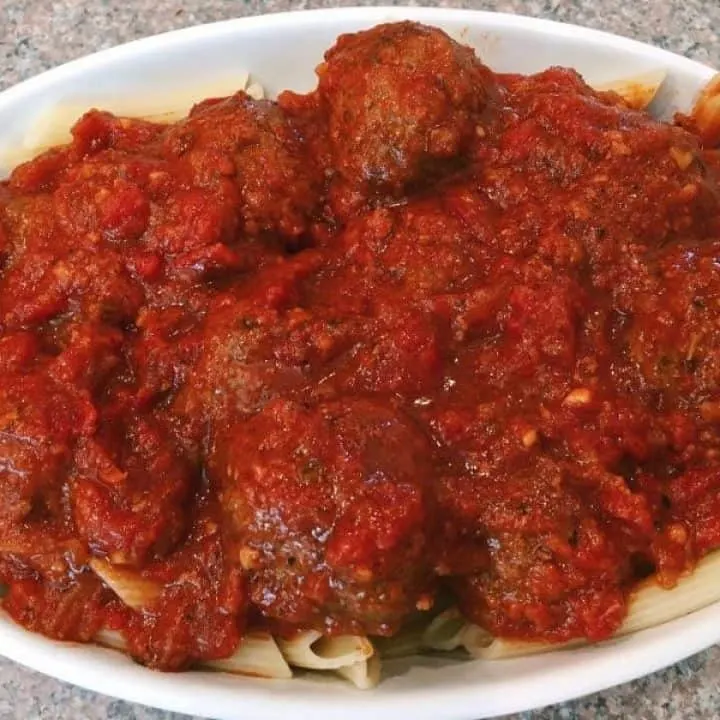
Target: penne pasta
258, 655
706, 112
653, 605
52, 127
445, 632
255, 91
638, 91
482, 646
314, 651
364, 674
132, 588
111, 639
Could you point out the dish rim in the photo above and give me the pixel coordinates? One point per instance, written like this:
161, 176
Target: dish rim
311, 18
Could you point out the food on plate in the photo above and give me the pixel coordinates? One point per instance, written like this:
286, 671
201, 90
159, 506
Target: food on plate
424, 359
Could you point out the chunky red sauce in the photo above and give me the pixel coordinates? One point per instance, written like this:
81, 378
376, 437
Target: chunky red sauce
310, 363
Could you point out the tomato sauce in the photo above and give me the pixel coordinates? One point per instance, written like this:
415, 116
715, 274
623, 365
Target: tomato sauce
310, 363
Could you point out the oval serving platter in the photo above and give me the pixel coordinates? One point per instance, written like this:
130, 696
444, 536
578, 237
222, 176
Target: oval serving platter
281, 51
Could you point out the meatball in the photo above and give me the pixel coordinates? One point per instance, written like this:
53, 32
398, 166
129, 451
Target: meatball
129, 490
39, 420
403, 99
253, 142
50, 271
551, 567
672, 334
254, 343
408, 254
330, 511
250, 356
265, 340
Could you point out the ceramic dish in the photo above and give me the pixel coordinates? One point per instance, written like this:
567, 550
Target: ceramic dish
281, 51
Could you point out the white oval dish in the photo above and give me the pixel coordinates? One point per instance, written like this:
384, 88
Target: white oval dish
281, 51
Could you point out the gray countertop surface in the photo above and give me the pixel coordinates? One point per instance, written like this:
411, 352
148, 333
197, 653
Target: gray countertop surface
39, 34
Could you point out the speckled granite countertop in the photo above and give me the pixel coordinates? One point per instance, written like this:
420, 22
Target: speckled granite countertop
38, 34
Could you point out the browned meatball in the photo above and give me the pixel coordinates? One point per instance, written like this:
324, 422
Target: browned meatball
531, 543
48, 271
330, 511
414, 251
403, 100
253, 347
129, 490
255, 143
263, 341
251, 356
38, 421
673, 335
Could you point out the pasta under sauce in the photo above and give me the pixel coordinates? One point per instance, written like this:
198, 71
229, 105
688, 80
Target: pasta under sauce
314, 363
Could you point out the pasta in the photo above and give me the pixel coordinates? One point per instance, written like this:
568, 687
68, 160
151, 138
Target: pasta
314, 651
408, 642
111, 639
706, 112
257, 656
352, 657
364, 674
445, 632
638, 91
134, 590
